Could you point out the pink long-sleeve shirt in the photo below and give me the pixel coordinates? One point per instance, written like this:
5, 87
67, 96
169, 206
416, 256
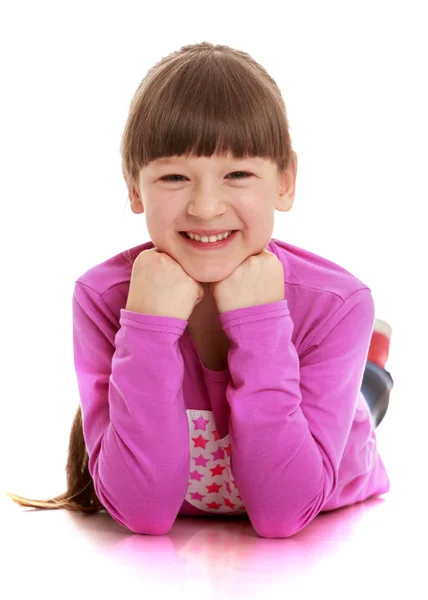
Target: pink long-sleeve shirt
281, 435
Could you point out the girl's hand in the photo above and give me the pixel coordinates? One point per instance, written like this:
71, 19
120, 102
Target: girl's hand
258, 280
159, 286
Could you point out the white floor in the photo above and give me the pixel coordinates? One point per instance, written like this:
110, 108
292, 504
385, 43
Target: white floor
370, 550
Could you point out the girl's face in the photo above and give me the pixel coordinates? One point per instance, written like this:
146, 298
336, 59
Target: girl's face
180, 194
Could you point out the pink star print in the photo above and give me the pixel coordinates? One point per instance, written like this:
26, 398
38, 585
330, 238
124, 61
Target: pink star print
212, 487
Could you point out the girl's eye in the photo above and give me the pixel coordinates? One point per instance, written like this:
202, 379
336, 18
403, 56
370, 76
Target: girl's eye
168, 180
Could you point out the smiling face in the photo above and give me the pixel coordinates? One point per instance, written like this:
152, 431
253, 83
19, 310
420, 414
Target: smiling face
180, 194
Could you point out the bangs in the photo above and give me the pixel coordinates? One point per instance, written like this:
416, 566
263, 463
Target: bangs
205, 104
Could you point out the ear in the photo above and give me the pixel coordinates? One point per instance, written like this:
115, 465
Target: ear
137, 206
287, 186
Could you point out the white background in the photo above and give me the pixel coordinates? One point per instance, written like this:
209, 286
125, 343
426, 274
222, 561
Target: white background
353, 77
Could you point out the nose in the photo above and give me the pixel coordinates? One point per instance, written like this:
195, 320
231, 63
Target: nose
206, 204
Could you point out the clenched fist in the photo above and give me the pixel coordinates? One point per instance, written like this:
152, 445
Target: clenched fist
258, 280
159, 286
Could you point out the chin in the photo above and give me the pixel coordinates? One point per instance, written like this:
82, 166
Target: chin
206, 279
209, 279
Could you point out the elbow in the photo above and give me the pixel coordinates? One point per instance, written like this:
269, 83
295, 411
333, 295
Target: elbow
147, 523
149, 528
280, 527
145, 518
284, 527
275, 530
145, 526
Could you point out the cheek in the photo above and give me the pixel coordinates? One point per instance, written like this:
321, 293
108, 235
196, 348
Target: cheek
258, 220
252, 208
161, 219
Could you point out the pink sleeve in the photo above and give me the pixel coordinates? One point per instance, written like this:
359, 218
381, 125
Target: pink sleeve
134, 419
290, 418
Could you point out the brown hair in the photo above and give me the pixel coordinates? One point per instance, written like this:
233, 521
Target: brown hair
201, 100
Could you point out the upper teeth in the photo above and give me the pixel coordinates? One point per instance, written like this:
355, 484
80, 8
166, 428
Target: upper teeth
211, 238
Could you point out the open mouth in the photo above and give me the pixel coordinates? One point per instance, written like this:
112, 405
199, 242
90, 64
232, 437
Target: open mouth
210, 245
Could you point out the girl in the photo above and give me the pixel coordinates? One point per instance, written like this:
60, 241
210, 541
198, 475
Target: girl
220, 371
